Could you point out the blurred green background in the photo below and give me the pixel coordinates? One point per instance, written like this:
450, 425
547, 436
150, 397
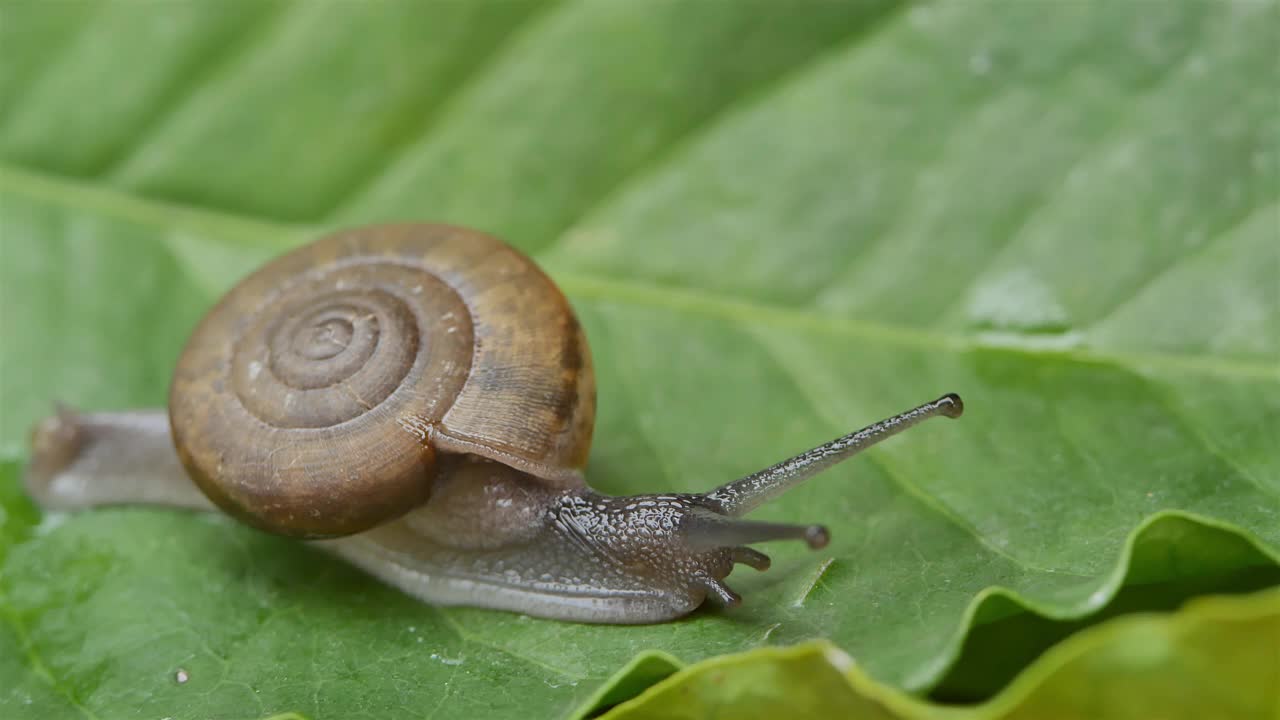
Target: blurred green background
778, 221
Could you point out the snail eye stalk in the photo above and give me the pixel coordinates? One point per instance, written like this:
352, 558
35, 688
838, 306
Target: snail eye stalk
746, 494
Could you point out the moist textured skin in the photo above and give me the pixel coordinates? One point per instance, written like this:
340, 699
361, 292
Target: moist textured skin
494, 537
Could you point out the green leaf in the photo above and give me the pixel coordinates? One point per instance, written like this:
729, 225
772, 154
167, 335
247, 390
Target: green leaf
776, 226
1165, 666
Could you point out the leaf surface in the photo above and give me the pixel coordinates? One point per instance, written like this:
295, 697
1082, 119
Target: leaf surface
776, 226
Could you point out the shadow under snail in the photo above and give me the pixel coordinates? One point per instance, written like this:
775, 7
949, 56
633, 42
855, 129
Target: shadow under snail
419, 400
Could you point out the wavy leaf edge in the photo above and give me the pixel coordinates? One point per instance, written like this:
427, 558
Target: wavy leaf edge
1258, 605
908, 704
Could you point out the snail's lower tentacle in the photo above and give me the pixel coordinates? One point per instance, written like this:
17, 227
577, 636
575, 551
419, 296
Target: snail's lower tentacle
750, 557
82, 460
723, 593
706, 530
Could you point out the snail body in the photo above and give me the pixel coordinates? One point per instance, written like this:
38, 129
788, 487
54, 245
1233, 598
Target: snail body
419, 399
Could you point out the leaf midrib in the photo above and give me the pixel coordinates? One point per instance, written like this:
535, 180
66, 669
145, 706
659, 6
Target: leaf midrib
35, 661
172, 216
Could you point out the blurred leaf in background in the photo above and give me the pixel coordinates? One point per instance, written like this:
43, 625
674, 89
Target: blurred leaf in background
1139, 667
778, 221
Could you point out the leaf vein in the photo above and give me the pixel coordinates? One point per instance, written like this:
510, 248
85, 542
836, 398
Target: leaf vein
68, 40
174, 217
466, 636
876, 457
197, 80
374, 176
1120, 123
1203, 249
34, 661
1193, 429
678, 145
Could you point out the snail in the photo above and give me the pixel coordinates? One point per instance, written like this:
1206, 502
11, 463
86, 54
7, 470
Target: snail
419, 400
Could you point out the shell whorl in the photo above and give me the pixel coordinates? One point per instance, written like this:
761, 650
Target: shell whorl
313, 398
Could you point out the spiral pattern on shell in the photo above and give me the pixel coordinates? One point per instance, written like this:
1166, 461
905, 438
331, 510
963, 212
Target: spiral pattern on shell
313, 399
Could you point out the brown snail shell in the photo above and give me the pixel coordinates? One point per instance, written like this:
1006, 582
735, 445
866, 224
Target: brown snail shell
314, 398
